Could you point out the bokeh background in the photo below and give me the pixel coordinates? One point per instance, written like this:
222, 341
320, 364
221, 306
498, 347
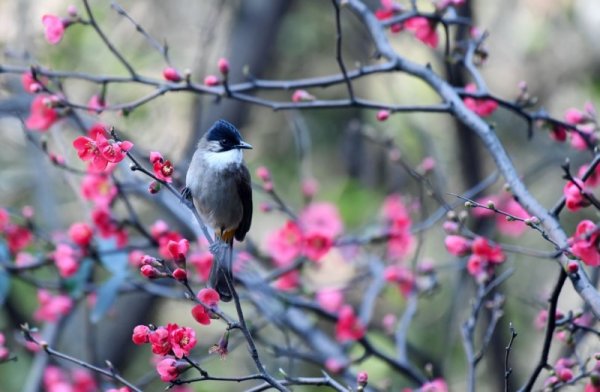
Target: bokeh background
552, 45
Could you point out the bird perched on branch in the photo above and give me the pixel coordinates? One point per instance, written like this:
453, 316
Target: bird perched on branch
218, 182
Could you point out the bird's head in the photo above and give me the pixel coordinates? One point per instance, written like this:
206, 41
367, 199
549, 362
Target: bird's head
222, 137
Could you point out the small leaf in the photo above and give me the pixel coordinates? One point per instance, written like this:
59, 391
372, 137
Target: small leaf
106, 296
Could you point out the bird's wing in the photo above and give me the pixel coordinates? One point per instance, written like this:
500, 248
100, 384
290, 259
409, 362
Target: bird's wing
244, 188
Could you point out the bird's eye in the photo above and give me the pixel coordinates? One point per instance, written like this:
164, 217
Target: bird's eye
224, 142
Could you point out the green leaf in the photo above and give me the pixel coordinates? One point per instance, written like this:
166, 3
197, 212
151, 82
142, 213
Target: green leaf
106, 296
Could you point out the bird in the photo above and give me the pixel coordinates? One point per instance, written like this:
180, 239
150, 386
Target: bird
219, 185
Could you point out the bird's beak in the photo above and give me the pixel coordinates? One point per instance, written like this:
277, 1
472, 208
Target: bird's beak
244, 145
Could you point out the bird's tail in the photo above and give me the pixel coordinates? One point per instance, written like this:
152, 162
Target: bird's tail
220, 272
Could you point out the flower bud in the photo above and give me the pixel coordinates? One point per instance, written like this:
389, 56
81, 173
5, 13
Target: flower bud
211, 81
361, 379
223, 65
154, 187
383, 115
263, 173
180, 274
171, 74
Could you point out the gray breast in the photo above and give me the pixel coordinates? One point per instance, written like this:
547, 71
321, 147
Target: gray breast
216, 197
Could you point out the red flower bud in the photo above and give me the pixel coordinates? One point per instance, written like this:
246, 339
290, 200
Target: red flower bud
223, 65
180, 274
171, 74
383, 115
211, 81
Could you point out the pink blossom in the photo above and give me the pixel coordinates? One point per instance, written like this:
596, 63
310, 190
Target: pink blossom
202, 261
398, 223
263, 173
96, 104
490, 252
558, 133
182, 339
163, 169
334, 366
81, 234
289, 281
18, 238
112, 150
388, 10
574, 116
437, 385
593, 179
99, 189
310, 186
512, 228
167, 369
83, 381
141, 334
178, 249
457, 245
348, 326
402, 276
52, 307
581, 138
32, 84
54, 28
160, 341
584, 243
330, 299
201, 315
209, 297
302, 95
323, 217
574, 195
424, 30
65, 260
4, 219
41, 116
482, 107
316, 244
285, 244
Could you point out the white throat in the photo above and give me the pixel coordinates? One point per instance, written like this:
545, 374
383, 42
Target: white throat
220, 160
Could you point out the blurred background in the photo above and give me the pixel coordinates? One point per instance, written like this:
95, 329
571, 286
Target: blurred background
553, 46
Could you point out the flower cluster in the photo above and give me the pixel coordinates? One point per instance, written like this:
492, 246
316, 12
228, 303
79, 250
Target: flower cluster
482, 107
398, 223
586, 127
585, 242
52, 307
423, 28
484, 256
56, 379
99, 150
172, 342
17, 236
311, 236
348, 327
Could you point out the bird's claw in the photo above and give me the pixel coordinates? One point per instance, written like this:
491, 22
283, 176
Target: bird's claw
186, 193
